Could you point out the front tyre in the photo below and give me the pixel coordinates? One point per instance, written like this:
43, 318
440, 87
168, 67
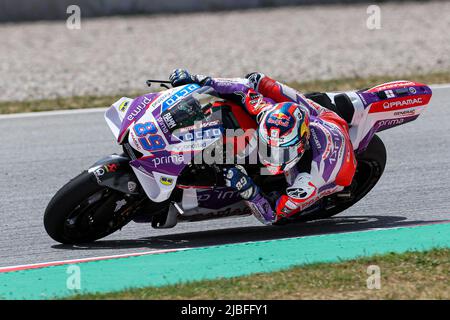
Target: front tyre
83, 211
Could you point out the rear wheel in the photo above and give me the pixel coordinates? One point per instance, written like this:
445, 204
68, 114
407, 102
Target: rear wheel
371, 164
83, 211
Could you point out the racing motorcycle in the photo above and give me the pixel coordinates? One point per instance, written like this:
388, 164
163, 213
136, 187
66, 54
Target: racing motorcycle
156, 179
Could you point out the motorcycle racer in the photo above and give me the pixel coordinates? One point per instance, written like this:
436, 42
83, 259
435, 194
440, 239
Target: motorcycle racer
289, 125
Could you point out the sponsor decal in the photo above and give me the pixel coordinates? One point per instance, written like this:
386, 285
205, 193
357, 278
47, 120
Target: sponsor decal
316, 139
308, 203
160, 99
327, 192
279, 119
334, 154
135, 141
208, 133
218, 195
302, 189
412, 90
162, 125
106, 169
141, 106
229, 81
390, 122
179, 95
200, 125
254, 98
328, 148
168, 119
170, 159
102, 170
297, 193
400, 103
190, 146
287, 209
337, 147
409, 112
123, 106
328, 141
341, 150
166, 181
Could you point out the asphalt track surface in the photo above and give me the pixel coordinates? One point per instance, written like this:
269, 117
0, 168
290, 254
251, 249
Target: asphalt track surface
41, 153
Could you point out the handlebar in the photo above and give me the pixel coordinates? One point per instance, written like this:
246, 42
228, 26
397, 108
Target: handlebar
162, 83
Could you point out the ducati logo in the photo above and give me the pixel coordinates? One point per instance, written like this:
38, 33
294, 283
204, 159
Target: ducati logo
132, 186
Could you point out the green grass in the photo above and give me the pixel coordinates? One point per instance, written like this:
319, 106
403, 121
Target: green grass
412, 275
78, 102
361, 83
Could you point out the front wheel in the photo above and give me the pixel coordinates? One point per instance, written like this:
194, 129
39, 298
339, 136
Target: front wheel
83, 211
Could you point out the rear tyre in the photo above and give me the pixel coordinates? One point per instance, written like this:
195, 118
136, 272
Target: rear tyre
371, 164
83, 211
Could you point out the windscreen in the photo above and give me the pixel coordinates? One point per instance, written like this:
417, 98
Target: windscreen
191, 109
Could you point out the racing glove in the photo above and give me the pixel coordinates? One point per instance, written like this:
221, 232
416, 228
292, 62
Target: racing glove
180, 77
237, 179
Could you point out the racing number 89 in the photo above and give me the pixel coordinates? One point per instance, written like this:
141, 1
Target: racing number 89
143, 129
152, 142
